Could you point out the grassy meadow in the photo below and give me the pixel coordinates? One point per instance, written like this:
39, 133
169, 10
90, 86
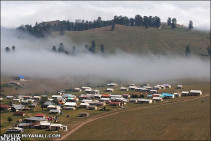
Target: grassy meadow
182, 121
139, 40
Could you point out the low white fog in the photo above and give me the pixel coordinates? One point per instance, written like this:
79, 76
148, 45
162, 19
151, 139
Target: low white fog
34, 58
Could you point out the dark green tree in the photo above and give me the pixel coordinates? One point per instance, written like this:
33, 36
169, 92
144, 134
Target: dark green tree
62, 28
112, 26
99, 22
132, 22
190, 26
61, 47
13, 48
187, 51
9, 119
66, 52
169, 21
7, 49
146, 24
150, 22
54, 48
157, 22
138, 20
102, 48
174, 22
92, 48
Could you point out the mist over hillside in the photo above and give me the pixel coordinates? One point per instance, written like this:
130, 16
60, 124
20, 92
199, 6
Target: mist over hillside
33, 58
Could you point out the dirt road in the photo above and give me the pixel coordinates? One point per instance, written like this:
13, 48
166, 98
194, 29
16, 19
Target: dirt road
81, 124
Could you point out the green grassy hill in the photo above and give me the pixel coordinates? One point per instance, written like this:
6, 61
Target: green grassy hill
182, 121
141, 40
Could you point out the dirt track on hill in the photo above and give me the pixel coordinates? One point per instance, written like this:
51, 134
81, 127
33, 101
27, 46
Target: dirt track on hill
79, 125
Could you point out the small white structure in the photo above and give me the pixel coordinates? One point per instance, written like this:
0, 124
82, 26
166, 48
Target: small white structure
185, 93
157, 99
83, 105
138, 89
109, 90
88, 90
157, 87
9, 97
112, 84
147, 87
118, 99
132, 87
56, 96
133, 100
148, 101
86, 100
179, 87
96, 91
123, 89
177, 95
84, 88
77, 90
53, 111
16, 100
54, 107
143, 89
15, 130
44, 124
105, 99
69, 96
36, 97
167, 85
90, 95
70, 104
57, 127
115, 96
83, 96
153, 91
163, 86
195, 92
97, 96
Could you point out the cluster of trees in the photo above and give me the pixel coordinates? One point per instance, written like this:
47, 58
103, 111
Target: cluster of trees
173, 23
38, 30
43, 29
7, 49
138, 21
61, 49
91, 48
188, 52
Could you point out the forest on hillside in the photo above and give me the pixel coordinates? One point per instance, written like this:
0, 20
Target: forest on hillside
45, 28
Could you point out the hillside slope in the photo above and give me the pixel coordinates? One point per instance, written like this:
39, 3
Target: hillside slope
179, 121
141, 40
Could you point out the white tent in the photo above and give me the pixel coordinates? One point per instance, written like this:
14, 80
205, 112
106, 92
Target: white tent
71, 104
